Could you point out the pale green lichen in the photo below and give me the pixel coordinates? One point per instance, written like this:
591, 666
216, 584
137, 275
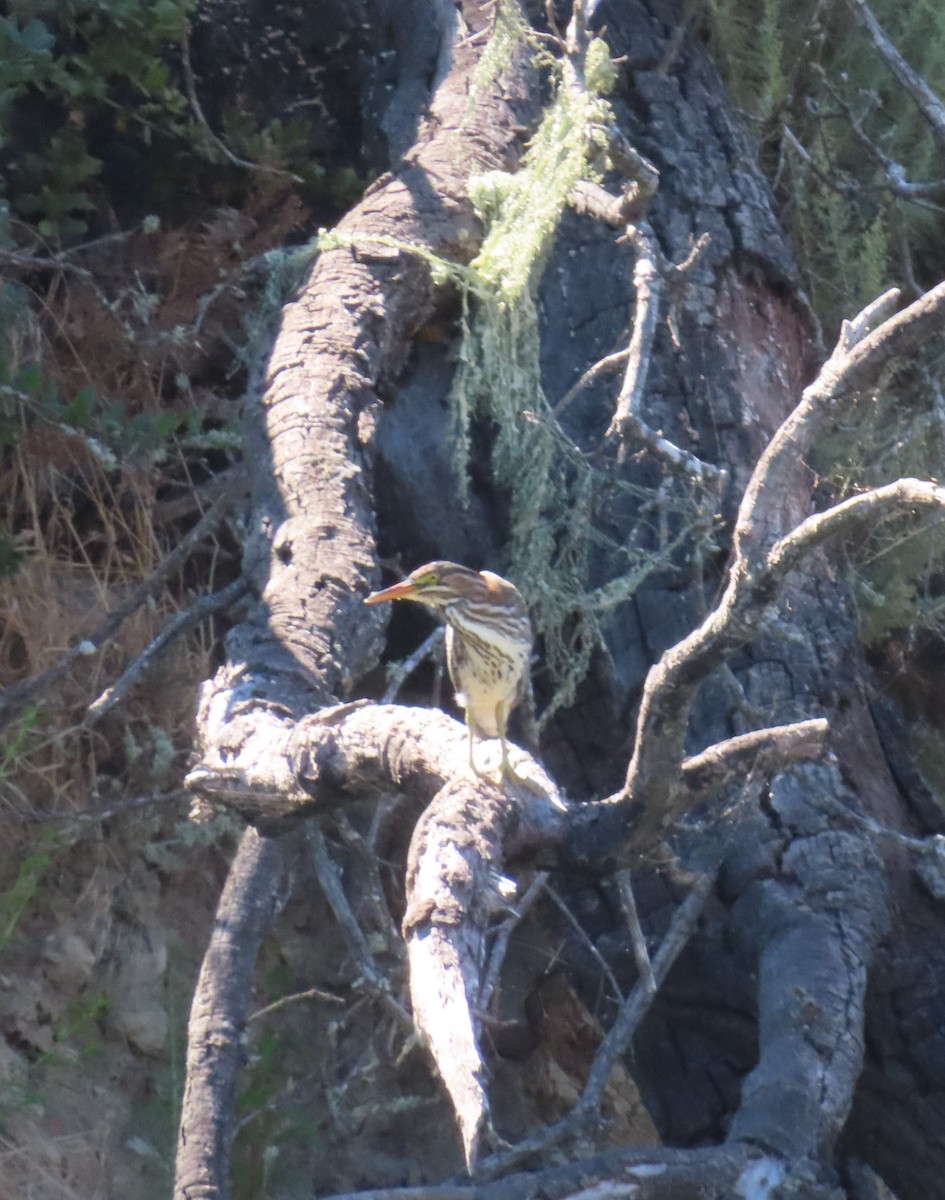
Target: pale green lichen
553, 492
552, 489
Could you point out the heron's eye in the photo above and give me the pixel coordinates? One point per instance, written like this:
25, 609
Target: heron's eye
428, 580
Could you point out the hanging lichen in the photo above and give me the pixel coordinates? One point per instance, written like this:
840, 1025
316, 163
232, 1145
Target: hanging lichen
550, 485
553, 491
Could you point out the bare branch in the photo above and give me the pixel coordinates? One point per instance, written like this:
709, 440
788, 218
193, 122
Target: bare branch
17, 697
399, 673
648, 290
309, 767
558, 900
454, 891
203, 607
284, 1002
252, 896
609, 363
650, 273
927, 101
759, 752
501, 937
370, 976
858, 512
614, 1045
654, 777
640, 953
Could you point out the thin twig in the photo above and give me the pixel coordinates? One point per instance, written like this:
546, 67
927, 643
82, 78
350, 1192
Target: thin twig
637, 940
586, 941
401, 672
501, 940
609, 362
15, 698
197, 109
284, 1001
375, 889
205, 606
373, 978
614, 1045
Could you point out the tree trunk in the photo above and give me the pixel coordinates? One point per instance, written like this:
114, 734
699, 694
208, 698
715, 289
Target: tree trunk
816, 942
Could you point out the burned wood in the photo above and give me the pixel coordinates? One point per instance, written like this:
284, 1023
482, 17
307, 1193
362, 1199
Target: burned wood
763, 553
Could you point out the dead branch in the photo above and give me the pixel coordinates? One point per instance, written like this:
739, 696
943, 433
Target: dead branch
857, 513
401, 672
14, 699
609, 362
650, 274
500, 939
641, 954
352, 750
763, 554
715, 1173
927, 101
203, 607
761, 752
564, 908
454, 891
370, 976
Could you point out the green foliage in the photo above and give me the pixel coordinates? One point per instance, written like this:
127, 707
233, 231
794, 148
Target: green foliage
890, 433
272, 1120
19, 894
89, 60
815, 72
110, 430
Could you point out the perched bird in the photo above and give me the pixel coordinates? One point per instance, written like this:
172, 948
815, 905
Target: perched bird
488, 642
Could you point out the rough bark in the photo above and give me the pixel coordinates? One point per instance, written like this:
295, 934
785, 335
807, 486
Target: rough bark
801, 902
310, 551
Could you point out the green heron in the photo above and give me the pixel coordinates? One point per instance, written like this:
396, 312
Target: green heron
488, 642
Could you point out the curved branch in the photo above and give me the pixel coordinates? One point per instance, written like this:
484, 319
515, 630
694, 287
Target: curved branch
929, 104
653, 776
859, 512
311, 556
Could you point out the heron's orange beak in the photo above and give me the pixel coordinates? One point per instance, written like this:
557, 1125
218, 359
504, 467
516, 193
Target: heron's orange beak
404, 590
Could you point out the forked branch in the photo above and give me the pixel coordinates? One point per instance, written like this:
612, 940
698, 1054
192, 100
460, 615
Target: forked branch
764, 552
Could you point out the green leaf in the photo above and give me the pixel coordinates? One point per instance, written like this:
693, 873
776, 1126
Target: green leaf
79, 411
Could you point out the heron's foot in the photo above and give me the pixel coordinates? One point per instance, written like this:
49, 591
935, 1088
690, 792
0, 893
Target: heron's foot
508, 774
505, 776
